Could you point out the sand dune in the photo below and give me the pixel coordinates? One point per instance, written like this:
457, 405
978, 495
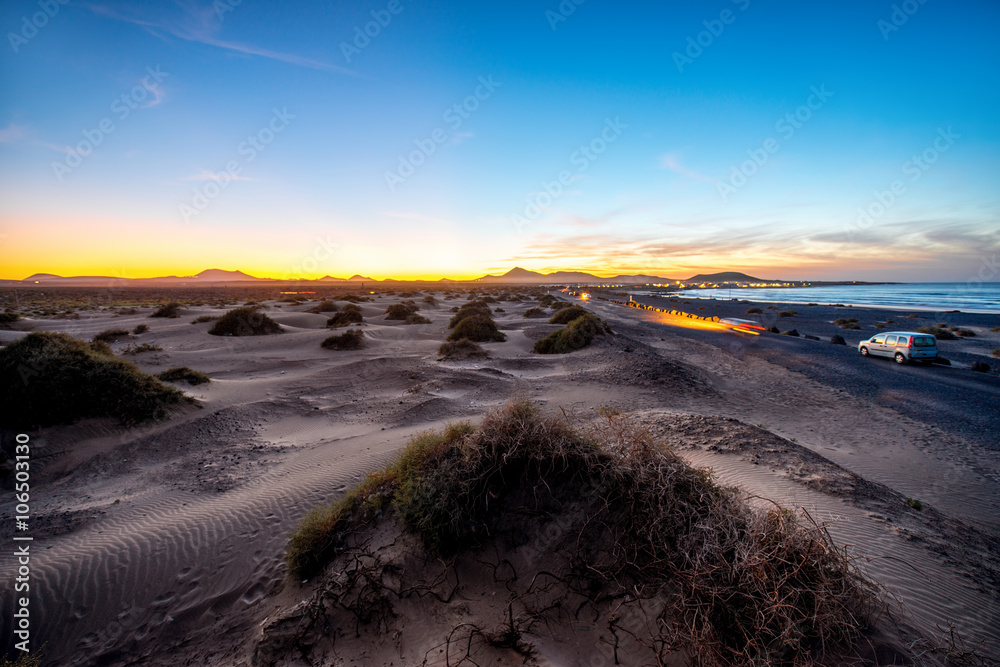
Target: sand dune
188, 562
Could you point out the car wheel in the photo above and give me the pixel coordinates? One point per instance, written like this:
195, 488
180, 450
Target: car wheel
900, 359
864, 352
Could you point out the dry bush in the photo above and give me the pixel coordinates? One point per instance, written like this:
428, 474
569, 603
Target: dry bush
416, 318
938, 332
245, 322
401, 311
535, 312
140, 329
352, 339
184, 374
739, 584
171, 310
468, 310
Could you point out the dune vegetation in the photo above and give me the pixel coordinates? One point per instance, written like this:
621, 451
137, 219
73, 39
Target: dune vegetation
184, 374
350, 314
352, 339
171, 310
50, 378
462, 349
732, 583
245, 321
578, 334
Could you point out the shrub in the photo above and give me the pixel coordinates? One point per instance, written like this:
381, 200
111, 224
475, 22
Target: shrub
400, 311
417, 319
576, 335
140, 349
353, 298
790, 332
111, 335
470, 309
324, 306
534, 312
244, 322
50, 378
352, 339
168, 310
838, 340
980, 367
430, 300
915, 504
9, 318
462, 349
737, 584
996, 352
559, 305
351, 314
478, 329
567, 315
754, 311
965, 333
937, 332
204, 318
140, 329
787, 313
184, 374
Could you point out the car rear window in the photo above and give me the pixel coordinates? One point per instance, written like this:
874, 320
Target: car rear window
923, 341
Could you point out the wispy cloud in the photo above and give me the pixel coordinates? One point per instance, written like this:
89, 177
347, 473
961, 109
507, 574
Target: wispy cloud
672, 161
206, 175
200, 24
12, 133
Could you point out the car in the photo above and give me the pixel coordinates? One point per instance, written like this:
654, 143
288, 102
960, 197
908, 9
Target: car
903, 346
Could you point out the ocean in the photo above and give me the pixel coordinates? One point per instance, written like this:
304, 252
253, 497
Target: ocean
967, 297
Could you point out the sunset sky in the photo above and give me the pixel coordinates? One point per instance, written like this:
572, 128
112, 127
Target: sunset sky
140, 139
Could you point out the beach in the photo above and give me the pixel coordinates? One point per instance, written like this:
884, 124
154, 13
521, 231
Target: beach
164, 542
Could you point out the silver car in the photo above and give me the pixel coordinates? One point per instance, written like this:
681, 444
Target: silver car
903, 346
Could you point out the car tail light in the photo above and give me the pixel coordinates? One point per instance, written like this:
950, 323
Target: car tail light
909, 342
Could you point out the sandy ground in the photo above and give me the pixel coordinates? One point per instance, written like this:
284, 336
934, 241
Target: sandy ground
163, 544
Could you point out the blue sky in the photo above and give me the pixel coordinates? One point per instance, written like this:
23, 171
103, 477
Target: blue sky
648, 156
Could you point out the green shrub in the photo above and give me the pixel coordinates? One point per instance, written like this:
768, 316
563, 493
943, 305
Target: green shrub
50, 378
965, 333
9, 318
140, 329
204, 318
996, 352
401, 311
567, 315
576, 335
754, 311
430, 300
787, 313
352, 339
351, 314
168, 310
535, 312
417, 319
184, 374
468, 310
244, 322
915, 504
478, 329
462, 349
111, 335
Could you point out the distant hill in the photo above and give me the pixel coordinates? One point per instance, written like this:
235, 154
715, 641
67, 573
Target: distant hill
524, 276
724, 277
220, 275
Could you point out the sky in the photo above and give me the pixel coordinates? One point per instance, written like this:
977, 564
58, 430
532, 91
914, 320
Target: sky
857, 140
